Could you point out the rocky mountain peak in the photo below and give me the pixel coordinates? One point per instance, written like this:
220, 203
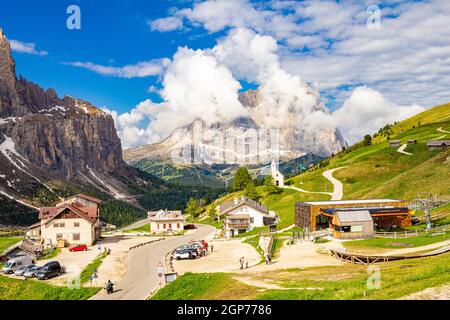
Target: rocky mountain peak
64, 137
8, 92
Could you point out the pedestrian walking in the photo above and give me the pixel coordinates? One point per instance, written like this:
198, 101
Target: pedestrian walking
212, 248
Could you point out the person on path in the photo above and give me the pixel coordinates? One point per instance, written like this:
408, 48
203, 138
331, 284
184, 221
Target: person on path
212, 248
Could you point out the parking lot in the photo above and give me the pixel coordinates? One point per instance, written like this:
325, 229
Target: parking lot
224, 258
113, 267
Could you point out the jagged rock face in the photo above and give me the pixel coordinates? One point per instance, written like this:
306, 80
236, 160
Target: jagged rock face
292, 142
10, 104
62, 136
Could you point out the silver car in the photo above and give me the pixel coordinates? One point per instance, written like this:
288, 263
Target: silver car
31, 273
19, 272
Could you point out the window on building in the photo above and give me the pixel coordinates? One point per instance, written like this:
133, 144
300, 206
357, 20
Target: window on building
59, 236
76, 224
76, 237
178, 226
55, 225
164, 226
170, 226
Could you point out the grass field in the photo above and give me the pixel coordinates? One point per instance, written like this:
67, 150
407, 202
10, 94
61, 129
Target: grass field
368, 246
379, 171
144, 228
348, 281
90, 268
6, 242
16, 289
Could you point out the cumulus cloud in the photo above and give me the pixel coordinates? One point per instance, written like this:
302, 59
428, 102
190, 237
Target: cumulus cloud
407, 59
203, 84
26, 47
366, 111
129, 125
196, 86
139, 70
166, 24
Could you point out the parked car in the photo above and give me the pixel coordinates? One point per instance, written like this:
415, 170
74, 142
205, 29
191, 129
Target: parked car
49, 270
31, 273
185, 254
19, 272
78, 247
15, 263
189, 227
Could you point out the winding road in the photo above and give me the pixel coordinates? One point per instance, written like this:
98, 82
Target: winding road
338, 191
402, 150
141, 278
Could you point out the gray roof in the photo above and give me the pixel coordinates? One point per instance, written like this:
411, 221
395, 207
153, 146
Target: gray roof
438, 143
229, 206
354, 216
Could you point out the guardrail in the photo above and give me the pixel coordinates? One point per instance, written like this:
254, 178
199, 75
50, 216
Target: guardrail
146, 243
412, 233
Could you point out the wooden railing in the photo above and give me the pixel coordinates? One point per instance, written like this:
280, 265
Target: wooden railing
412, 233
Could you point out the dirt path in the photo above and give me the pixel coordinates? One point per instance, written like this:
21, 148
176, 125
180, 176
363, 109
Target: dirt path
398, 252
268, 285
338, 192
442, 130
402, 150
301, 255
438, 293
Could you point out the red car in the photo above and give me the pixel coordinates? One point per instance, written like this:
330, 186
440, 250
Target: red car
78, 247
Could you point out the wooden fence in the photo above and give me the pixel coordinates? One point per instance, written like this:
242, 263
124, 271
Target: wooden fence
412, 233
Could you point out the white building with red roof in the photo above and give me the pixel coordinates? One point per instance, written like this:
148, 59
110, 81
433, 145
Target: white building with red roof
163, 221
75, 220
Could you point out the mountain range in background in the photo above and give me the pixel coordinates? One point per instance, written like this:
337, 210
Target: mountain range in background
176, 158
52, 147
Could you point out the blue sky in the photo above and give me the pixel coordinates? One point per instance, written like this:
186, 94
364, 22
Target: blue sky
369, 61
112, 33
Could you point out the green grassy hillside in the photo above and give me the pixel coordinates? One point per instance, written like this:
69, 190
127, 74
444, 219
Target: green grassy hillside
348, 282
374, 171
379, 170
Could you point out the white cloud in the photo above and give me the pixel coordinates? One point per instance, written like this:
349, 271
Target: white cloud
26, 47
196, 86
166, 24
366, 111
328, 42
139, 70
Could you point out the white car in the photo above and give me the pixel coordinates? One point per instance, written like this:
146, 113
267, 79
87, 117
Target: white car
184, 254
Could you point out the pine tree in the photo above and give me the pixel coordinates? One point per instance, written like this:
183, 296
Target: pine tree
250, 191
241, 179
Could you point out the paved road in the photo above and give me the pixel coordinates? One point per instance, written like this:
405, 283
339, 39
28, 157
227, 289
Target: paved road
135, 225
338, 192
141, 278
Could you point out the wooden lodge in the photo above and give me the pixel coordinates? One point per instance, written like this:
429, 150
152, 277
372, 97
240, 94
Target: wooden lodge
395, 143
352, 225
385, 213
438, 144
